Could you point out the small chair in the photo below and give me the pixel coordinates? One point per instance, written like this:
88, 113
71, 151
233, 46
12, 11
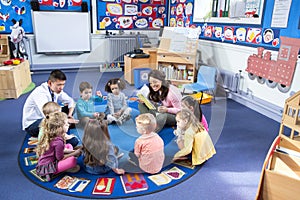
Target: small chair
206, 81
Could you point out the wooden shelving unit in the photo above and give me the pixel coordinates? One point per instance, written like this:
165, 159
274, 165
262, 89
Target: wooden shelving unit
4, 48
179, 64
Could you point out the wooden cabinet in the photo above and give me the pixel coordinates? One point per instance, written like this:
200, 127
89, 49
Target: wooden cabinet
4, 48
178, 59
132, 63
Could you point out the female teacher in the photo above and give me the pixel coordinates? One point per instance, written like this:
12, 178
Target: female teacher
165, 96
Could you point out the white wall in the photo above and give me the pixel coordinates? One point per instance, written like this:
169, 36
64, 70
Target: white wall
234, 58
99, 54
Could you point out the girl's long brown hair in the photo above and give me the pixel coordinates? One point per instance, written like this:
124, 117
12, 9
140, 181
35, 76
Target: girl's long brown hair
95, 142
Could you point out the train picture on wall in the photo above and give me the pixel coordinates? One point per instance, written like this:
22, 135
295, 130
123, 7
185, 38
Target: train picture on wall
278, 72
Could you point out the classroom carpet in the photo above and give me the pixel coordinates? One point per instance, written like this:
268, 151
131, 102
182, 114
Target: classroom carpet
110, 185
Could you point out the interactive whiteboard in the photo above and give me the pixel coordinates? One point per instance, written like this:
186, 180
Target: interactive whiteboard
61, 32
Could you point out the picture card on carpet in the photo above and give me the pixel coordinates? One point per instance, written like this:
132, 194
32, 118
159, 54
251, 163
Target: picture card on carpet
174, 173
104, 186
72, 184
133, 182
31, 160
43, 179
29, 150
160, 179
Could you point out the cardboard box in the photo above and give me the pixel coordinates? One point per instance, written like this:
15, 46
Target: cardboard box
14, 79
280, 178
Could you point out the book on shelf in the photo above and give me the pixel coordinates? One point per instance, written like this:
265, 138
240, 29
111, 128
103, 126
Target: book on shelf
31, 160
104, 186
133, 182
160, 179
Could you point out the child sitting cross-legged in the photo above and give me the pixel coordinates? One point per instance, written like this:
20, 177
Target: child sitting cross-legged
149, 147
50, 149
71, 140
85, 106
117, 108
99, 153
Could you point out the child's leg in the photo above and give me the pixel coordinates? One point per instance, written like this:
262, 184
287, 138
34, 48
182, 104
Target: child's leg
68, 146
125, 116
127, 111
66, 164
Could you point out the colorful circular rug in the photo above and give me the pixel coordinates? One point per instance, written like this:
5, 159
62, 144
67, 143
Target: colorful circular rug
110, 185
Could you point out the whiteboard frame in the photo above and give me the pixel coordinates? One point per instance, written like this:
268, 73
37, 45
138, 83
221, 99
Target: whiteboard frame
58, 32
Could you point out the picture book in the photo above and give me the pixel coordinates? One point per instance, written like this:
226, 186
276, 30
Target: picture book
160, 179
133, 182
29, 150
185, 163
147, 102
104, 186
174, 173
72, 184
31, 160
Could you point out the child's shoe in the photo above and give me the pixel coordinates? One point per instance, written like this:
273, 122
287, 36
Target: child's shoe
111, 119
123, 118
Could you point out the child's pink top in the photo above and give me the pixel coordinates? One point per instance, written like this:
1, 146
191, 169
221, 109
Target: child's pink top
149, 149
204, 123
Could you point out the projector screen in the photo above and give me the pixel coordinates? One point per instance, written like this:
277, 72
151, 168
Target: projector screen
61, 32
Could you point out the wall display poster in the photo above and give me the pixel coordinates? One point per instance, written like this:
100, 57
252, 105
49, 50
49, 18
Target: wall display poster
131, 14
251, 36
21, 9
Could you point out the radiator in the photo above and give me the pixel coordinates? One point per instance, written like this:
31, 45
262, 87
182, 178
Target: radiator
229, 80
119, 46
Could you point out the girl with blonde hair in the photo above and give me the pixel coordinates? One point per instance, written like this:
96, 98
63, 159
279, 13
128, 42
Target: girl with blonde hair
50, 149
192, 139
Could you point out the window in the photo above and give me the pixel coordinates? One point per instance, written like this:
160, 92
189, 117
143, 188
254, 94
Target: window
228, 11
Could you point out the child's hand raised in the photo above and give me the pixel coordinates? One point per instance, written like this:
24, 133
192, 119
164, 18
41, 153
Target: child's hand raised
99, 94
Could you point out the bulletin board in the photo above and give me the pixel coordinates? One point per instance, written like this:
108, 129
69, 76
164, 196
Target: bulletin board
21, 9
131, 14
15, 9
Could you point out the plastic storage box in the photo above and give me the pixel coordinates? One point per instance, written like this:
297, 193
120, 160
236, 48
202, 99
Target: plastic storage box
140, 76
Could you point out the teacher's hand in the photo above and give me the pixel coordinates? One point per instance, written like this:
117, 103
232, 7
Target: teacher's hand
162, 109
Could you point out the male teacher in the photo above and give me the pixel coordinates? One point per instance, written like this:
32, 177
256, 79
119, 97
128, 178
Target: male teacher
52, 90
